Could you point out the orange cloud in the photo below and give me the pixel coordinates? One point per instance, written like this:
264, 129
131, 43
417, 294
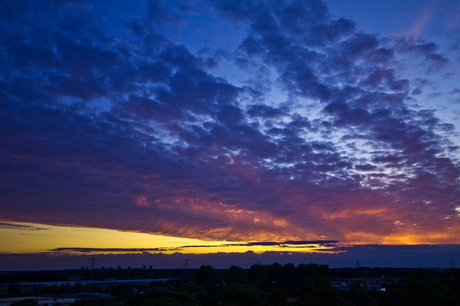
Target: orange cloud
406, 237
348, 213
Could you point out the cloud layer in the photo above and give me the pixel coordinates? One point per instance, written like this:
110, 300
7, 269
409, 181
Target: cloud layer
302, 129
368, 256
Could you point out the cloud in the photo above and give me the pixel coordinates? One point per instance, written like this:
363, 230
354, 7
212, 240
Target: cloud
311, 245
382, 256
120, 124
24, 227
265, 111
12, 10
422, 20
432, 61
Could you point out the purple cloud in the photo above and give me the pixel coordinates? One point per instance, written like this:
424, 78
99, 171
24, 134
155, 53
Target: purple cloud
111, 122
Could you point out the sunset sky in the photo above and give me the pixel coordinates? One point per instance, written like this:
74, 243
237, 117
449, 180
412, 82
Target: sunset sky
201, 127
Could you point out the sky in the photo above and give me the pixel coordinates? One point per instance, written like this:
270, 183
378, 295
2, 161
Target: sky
236, 130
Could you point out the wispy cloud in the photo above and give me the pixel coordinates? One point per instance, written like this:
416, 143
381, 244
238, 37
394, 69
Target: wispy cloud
329, 245
23, 227
423, 19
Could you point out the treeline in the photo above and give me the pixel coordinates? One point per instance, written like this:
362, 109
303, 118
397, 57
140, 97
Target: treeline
86, 274
121, 274
70, 290
373, 272
31, 276
305, 284
287, 285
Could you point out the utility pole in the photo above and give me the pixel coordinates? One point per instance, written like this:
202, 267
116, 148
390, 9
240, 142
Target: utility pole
453, 264
93, 262
357, 264
186, 263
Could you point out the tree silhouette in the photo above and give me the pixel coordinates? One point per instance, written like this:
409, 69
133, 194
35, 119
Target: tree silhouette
235, 275
14, 289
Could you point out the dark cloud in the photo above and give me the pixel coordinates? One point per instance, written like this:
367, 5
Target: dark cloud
16, 226
383, 256
12, 10
115, 124
432, 61
366, 167
297, 244
265, 111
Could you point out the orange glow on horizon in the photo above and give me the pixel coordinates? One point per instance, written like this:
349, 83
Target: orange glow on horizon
32, 238
451, 236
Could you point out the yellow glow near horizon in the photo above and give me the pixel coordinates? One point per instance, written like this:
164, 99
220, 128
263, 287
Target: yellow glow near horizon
40, 238
34, 238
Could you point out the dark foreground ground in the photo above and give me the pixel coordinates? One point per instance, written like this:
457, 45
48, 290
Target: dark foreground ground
305, 284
